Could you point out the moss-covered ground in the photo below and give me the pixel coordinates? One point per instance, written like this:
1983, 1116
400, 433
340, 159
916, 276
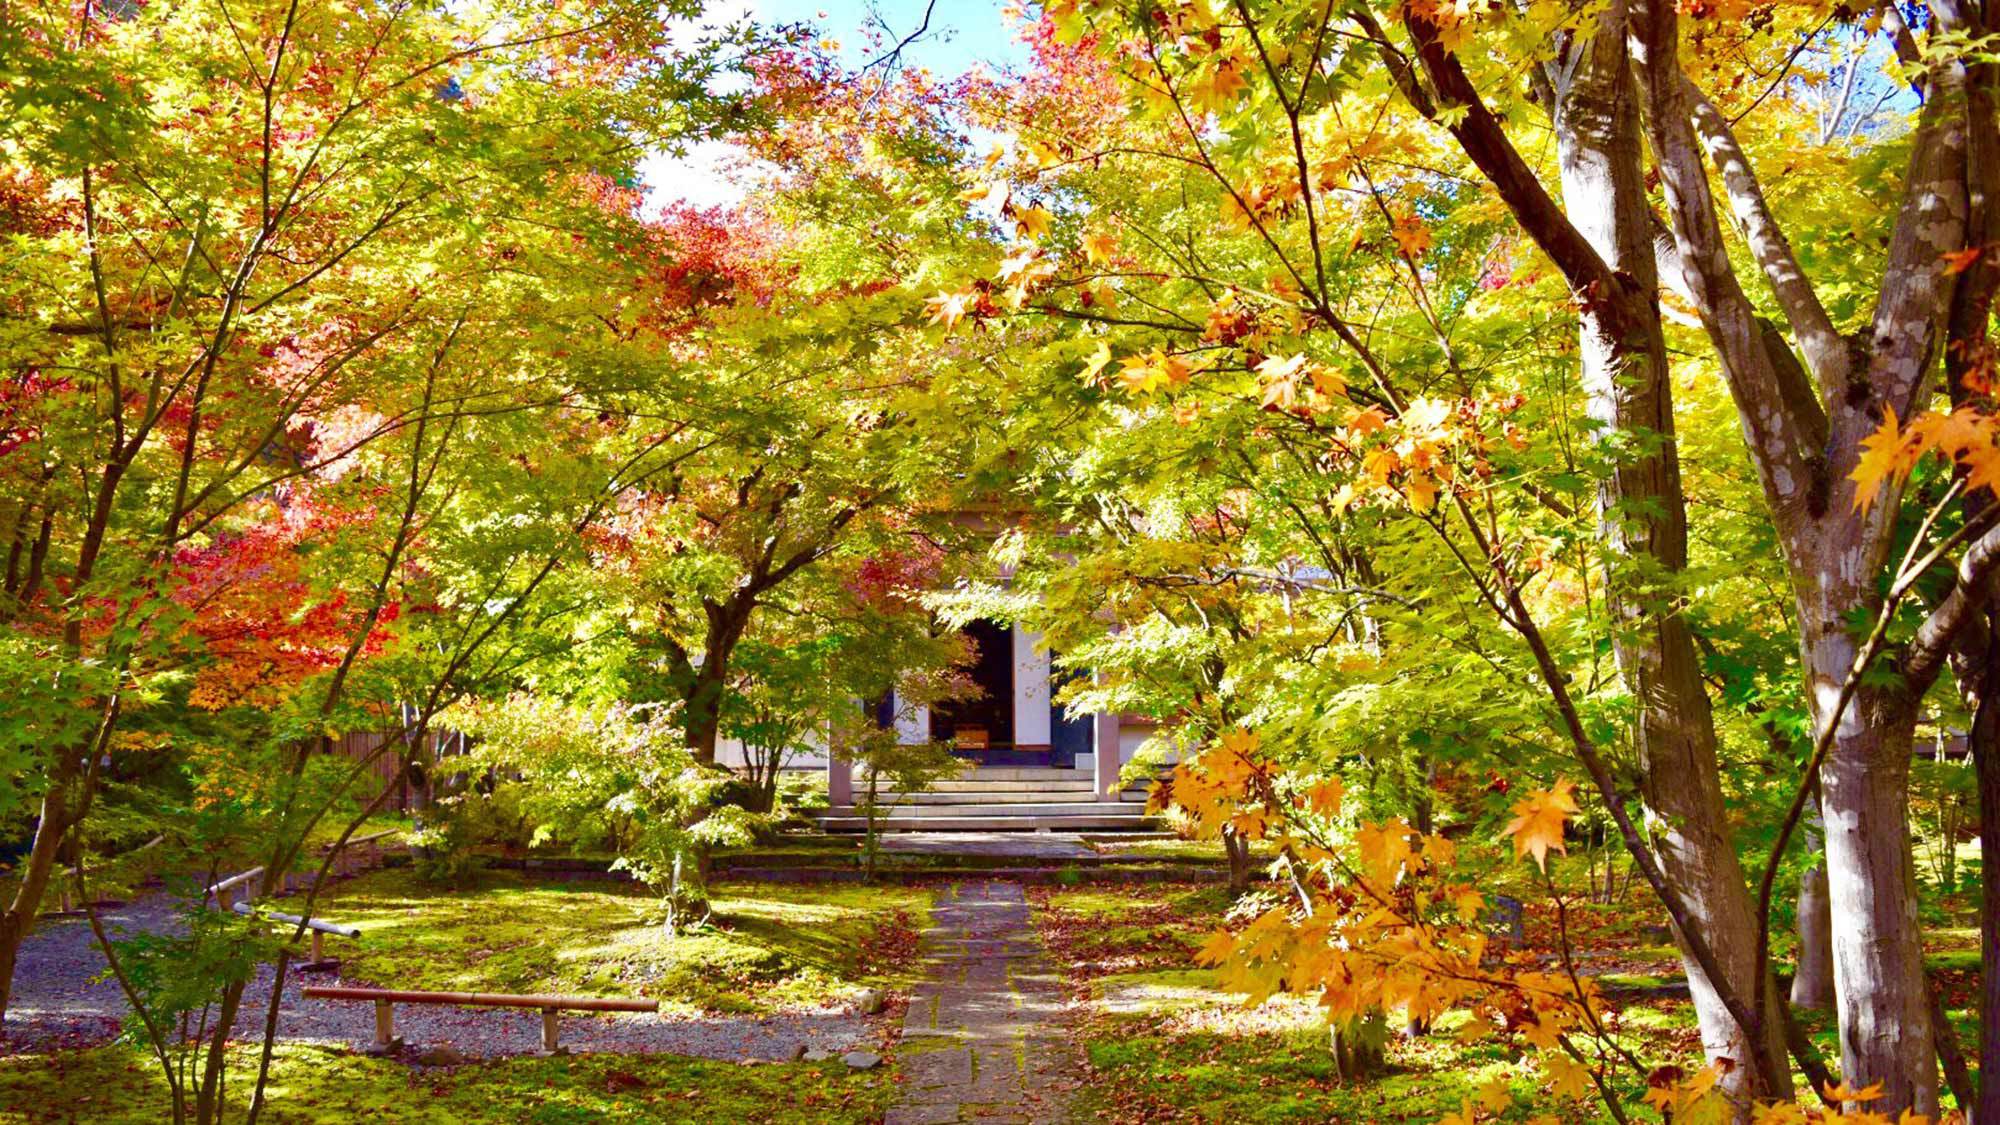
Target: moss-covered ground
766, 946
321, 1086
1161, 1041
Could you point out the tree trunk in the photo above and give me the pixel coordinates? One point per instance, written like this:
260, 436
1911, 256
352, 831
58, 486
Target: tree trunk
1643, 515
1812, 978
1878, 964
19, 920
1985, 740
1238, 851
701, 713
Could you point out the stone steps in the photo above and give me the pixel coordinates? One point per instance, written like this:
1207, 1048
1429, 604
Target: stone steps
1003, 799
1000, 796
965, 820
1041, 816
983, 774
966, 783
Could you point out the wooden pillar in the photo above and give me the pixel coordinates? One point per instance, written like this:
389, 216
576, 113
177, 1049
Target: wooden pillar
549, 1031
1106, 755
318, 953
385, 1024
839, 779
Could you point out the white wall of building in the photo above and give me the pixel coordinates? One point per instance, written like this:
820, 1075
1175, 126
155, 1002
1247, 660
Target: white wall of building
1031, 690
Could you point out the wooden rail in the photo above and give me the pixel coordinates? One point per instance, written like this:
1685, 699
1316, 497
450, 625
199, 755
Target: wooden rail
318, 927
224, 891
386, 998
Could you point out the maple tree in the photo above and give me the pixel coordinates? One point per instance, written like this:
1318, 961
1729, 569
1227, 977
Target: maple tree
1373, 364
1373, 397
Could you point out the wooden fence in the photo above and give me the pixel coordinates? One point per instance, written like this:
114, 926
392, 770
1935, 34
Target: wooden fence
385, 769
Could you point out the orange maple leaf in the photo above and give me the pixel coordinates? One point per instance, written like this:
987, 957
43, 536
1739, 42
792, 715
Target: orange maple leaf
1958, 261
1886, 455
1539, 819
1841, 1092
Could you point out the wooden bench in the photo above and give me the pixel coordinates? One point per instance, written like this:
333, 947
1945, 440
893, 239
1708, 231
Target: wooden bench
1506, 920
385, 1000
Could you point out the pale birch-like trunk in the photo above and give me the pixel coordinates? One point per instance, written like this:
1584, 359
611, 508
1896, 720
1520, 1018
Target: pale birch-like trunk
1644, 518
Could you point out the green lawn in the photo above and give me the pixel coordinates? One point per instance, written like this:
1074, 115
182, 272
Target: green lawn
767, 947
120, 1086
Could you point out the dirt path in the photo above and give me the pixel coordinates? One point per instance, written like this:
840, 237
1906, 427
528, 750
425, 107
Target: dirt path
980, 1040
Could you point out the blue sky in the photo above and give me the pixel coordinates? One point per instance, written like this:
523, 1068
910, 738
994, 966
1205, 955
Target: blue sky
961, 34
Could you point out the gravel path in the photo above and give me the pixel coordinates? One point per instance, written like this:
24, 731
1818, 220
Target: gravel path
57, 1004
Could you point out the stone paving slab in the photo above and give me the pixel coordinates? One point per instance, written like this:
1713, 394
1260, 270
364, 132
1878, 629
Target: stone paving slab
1010, 845
979, 1039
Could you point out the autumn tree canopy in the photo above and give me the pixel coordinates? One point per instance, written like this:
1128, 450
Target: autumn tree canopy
1461, 430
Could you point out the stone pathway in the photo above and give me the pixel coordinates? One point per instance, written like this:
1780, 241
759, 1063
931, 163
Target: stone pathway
980, 1040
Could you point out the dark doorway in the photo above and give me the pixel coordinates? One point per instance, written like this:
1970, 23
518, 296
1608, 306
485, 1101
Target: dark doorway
983, 727
1069, 735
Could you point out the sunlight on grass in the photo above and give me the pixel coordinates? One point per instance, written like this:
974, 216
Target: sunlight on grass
318, 1086
768, 947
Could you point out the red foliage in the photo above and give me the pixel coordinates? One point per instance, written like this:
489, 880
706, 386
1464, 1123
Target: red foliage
262, 626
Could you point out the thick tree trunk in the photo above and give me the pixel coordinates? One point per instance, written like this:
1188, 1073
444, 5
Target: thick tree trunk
1643, 514
1878, 966
701, 715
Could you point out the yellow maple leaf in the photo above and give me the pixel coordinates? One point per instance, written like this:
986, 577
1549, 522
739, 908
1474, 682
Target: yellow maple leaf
1469, 904
1422, 491
995, 192
1217, 949
1098, 247
1843, 1093
1034, 222
1219, 88
1384, 847
1328, 382
1887, 454
1027, 264
1539, 819
1568, 1078
1367, 421
1280, 376
1474, 1029
1465, 1115
1543, 1033
1097, 362
1494, 1096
